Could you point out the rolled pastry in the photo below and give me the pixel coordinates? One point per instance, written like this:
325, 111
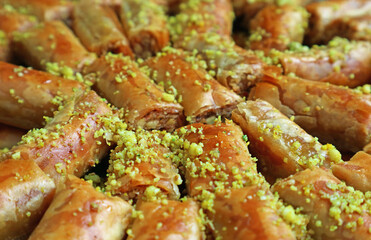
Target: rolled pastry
44, 10
334, 114
27, 95
341, 62
145, 26
11, 20
353, 28
282, 147
324, 13
248, 213
202, 97
51, 42
171, 220
355, 172
216, 158
71, 142
275, 27
99, 29
335, 210
80, 212
206, 27
25, 194
141, 167
120, 80
246, 10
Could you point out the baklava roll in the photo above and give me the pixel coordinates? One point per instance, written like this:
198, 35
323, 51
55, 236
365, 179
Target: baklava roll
353, 28
216, 158
282, 147
99, 29
324, 13
10, 136
203, 16
11, 21
44, 10
205, 26
71, 142
247, 10
248, 213
335, 210
334, 114
25, 194
141, 167
341, 62
80, 212
167, 220
120, 80
51, 42
27, 95
275, 27
201, 96
145, 26
356, 172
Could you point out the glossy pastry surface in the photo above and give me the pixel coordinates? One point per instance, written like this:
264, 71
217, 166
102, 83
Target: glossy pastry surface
78, 211
25, 194
120, 80
282, 147
171, 220
27, 95
334, 114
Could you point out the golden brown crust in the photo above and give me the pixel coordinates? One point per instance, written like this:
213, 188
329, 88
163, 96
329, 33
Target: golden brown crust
80, 212
173, 220
51, 42
140, 164
11, 21
245, 10
353, 28
10, 136
341, 62
217, 158
356, 172
231, 65
44, 10
282, 147
123, 84
99, 29
69, 143
191, 82
275, 27
27, 95
324, 13
25, 194
335, 210
250, 214
214, 16
145, 26
334, 114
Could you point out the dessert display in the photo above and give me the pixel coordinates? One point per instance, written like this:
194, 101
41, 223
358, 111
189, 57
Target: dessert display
185, 119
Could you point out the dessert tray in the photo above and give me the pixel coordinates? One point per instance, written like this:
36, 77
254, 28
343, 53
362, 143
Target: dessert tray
185, 119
